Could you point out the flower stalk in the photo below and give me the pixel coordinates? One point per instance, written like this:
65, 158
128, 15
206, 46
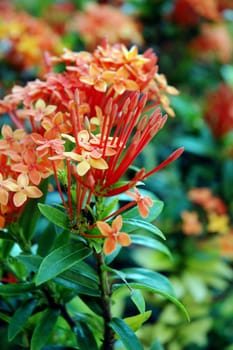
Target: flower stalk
108, 340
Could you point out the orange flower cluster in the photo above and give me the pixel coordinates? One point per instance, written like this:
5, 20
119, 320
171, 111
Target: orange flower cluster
97, 21
216, 219
219, 111
25, 39
188, 12
214, 42
86, 126
116, 67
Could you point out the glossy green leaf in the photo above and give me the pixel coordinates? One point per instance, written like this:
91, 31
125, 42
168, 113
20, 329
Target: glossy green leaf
130, 225
135, 322
54, 215
85, 338
43, 329
31, 262
81, 278
16, 288
155, 210
138, 299
60, 260
139, 278
110, 207
125, 334
150, 242
20, 317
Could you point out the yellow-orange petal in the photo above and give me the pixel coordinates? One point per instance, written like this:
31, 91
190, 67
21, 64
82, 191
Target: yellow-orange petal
23, 180
4, 195
124, 239
117, 223
98, 163
109, 245
104, 228
83, 167
143, 209
19, 199
33, 192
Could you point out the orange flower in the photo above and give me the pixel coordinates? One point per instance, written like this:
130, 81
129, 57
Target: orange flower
99, 20
28, 38
143, 202
191, 224
23, 190
214, 42
219, 110
113, 234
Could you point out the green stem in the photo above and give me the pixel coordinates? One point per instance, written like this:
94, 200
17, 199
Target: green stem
108, 341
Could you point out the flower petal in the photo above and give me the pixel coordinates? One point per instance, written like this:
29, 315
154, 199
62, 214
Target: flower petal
104, 228
109, 245
19, 198
123, 239
4, 195
33, 192
83, 167
117, 223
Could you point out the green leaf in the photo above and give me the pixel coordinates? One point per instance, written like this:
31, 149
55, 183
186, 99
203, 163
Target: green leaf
135, 322
151, 281
31, 262
150, 243
155, 210
109, 207
227, 74
5, 317
54, 215
81, 278
60, 260
197, 145
130, 225
20, 317
138, 299
156, 346
16, 288
85, 338
125, 334
43, 329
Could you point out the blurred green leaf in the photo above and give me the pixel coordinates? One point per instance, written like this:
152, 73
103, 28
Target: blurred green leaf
43, 329
20, 317
227, 74
156, 346
85, 337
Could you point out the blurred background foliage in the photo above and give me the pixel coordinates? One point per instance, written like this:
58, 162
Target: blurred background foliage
194, 44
